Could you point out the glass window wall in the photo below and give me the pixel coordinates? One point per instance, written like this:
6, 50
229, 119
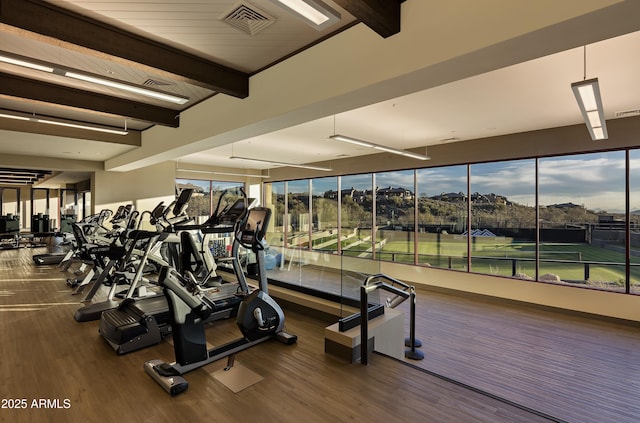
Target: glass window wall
325, 214
274, 199
298, 217
582, 219
503, 218
634, 221
395, 216
199, 206
442, 217
357, 215
577, 237
209, 196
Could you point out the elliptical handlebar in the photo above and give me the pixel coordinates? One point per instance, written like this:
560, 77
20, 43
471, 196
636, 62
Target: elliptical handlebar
161, 217
179, 285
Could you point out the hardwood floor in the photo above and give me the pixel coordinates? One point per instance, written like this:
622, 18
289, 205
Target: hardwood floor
575, 368
46, 355
571, 367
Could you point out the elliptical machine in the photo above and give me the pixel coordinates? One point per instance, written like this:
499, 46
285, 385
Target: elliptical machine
141, 322
259, 317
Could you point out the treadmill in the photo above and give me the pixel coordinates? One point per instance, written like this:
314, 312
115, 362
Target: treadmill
141, 245
142, 322
96, 221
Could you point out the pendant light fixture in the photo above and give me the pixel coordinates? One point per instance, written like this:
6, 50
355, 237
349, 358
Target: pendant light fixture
587, 93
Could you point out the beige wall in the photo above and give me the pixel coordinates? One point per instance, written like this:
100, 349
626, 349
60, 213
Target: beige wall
144, 188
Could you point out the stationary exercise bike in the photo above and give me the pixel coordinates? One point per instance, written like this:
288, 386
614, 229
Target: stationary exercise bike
259, 317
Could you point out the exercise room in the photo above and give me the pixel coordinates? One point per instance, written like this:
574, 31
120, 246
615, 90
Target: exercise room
336, 210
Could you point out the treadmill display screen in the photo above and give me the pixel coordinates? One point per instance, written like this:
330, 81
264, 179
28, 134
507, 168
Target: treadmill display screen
234, 212
256, 226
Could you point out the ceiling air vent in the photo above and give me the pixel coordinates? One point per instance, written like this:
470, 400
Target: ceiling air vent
450, 139
247, 18
157, 83
628, 113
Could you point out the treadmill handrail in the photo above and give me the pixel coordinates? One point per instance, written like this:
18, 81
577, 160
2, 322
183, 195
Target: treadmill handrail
373, 282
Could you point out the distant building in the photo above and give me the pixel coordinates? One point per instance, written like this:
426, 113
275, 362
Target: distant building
389, 192
354, 194
565, 206
477, 198
196, 189
330, 195
452, 197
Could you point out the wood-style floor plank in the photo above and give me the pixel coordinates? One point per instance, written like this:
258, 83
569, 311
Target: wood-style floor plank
45, 354
573, 367
576, 368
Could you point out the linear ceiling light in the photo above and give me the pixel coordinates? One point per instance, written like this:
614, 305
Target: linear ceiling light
61, 122
15, 60
362, 143
415, 155
26, 62
314, 12
588, 95
127, 87
350, 140
214, 172
302, 166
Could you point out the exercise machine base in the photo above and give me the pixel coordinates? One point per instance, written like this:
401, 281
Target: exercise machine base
174, 385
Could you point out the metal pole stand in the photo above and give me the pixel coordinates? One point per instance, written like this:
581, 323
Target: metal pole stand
411, 352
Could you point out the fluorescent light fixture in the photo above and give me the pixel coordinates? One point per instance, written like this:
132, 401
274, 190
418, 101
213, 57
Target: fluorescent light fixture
61, 122
387, 149
302, 166
362, 143
26, 62
314, 12
214, 172
127, 87
588, 96
350, 140
10, 116
415, 156
81, 126
20, 61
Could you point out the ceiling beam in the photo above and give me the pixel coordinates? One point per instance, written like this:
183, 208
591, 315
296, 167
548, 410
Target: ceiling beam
24, 170
382, 16
22, 182
61, 24
17, 86
20, 176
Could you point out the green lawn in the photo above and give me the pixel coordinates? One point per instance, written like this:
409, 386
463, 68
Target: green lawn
496, 258
606, 268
